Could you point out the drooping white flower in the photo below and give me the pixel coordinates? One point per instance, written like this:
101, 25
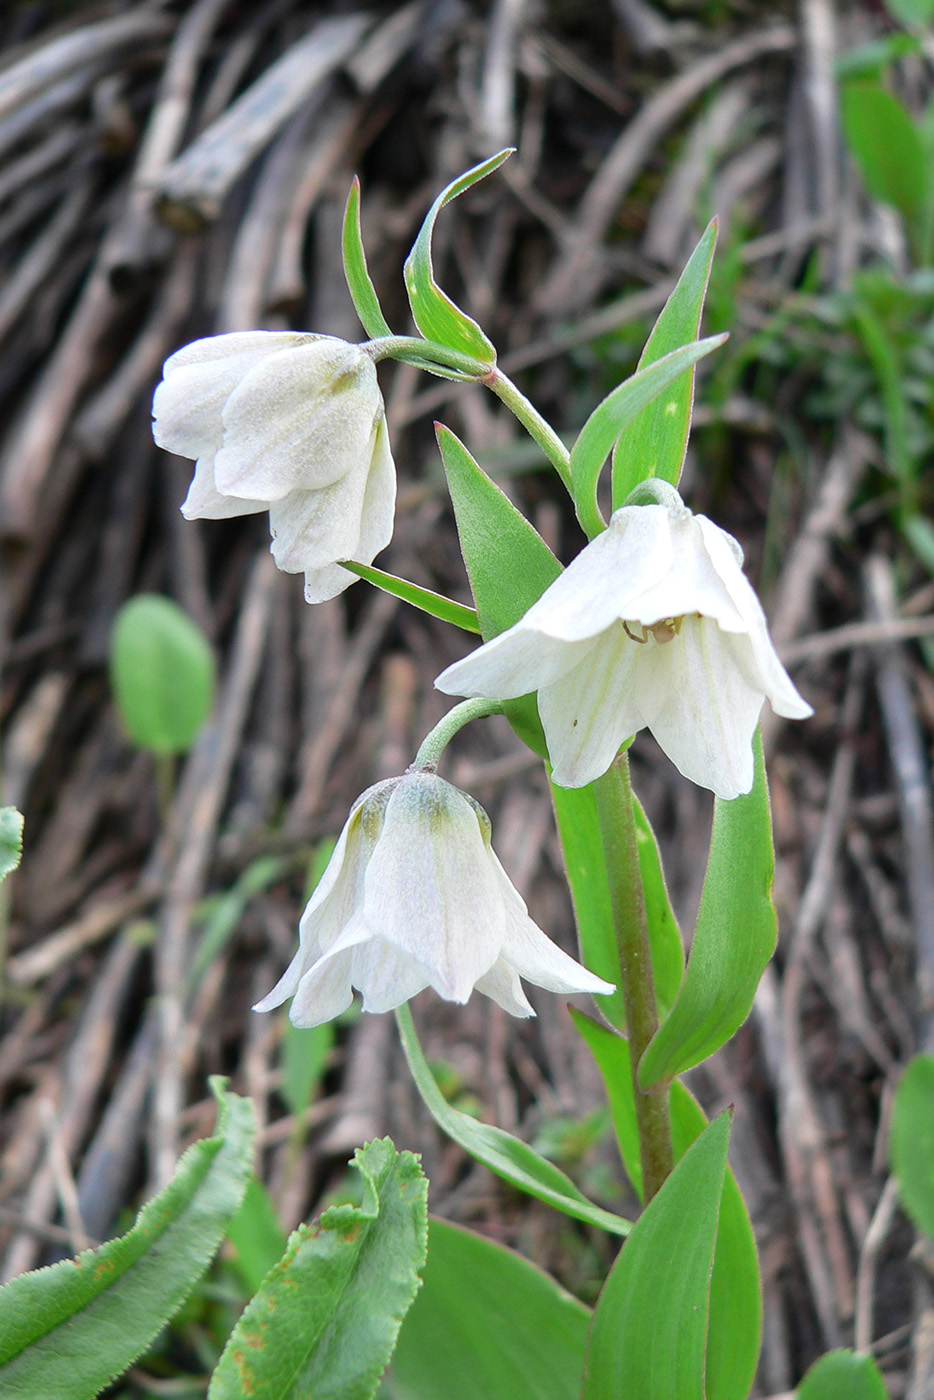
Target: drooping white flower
293, 424
653, 625
414, 896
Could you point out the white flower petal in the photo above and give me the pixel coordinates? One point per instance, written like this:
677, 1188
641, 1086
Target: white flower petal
312, 529
385, 975
300, 420
430, 888
591, 710
377, 512
515, 663
535, 958
502, 985
323, 993
204, 501
693, 584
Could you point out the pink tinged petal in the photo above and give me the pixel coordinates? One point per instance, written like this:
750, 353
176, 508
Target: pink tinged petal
589, 712
502, 985
300, 420
701, 708
385, 975
204, 501
515, 663
430, 887
199, 379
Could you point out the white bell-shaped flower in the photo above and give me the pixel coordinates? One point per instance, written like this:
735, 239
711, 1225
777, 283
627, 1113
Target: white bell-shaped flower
414, 896
293, 424
653, 625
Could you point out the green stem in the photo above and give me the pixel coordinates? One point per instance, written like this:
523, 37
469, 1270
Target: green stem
427, 354
613, 793
437, 741
535, 425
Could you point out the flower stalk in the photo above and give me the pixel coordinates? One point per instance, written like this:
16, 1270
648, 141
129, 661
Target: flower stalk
535, 425
434, 744
613, 793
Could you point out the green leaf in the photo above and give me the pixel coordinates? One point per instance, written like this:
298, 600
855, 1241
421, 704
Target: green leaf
324, 1322
256, 1236
842, 1375
664, 933
362, 291
11, 840
487, 1325
735, 1323
433, 603
734, 939
610, 417
68, 1330
655, 441
885, 145
435, 313
509, 1157
508, 563
649, 1331
911, 1145
911, 13
223, 912
305, 1052
161, 672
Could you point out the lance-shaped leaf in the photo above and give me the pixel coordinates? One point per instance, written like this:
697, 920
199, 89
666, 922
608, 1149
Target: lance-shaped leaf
487, 1325
734, 1329
609, 418
509, 1157
359, 282
912, 1142
734, 939
324, 1322
649, 1334
508, 563
436, 315
655, 441
68, 1330
11, 839
435, 604
875, 124
842, 1375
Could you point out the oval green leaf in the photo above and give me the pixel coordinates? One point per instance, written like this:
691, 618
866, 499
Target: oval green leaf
161, 673
911, 1145
875, 125
842, 1375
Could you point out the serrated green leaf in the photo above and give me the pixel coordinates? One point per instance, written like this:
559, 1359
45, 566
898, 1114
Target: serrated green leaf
68, 1330
885, 145
256, 1236
161, 672
435, 604
509, 1157
649, 1331
734, 1329
487, 1325
11, 840
324, 1322
359, 282
435, 314
653, 443
842, 1375
508, 563
609, 418
911, 1145
735, 937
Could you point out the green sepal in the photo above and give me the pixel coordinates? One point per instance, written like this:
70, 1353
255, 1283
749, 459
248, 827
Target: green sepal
509, 1157
508, 563
326, 1317
11, 840
734, 1331
654, 443
648, 1339
359, 282
735, 936
610, 417
68, 1330
435, 314
435, 604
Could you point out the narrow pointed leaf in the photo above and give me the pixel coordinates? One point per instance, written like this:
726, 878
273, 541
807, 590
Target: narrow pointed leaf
875, 124
734, 1331
508, 563
734, 939
842, 1375
487, 1325
655, 441
649, 1331
433, 603
609, 418
359, 282
11, 840
436, 315
68, 1330
256, 1236
324, 1322
509, 1157
912, 1142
